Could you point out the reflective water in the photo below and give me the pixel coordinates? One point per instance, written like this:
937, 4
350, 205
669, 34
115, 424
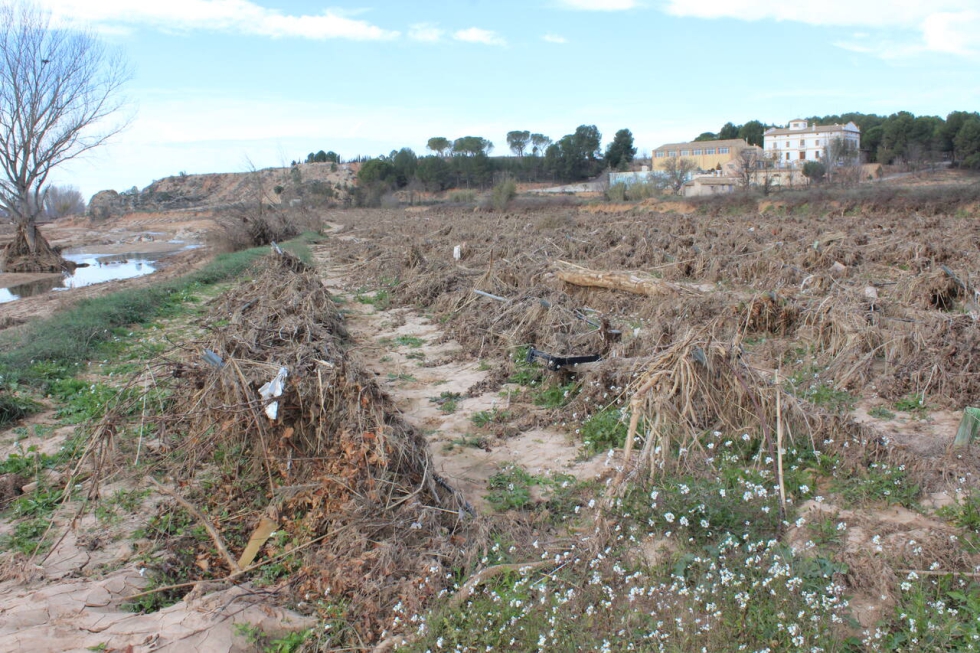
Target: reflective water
96, 268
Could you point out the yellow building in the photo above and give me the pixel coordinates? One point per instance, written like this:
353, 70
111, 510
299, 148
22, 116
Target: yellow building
708, 155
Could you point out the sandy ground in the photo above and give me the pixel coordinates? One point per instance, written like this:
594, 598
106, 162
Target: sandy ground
414, 375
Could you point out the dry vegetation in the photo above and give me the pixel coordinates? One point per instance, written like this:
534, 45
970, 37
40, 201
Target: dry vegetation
776, 400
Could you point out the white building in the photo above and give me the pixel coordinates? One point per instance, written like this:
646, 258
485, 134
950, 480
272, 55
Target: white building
802, 142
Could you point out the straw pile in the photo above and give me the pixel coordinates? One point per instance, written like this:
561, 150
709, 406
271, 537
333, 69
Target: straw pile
699, 385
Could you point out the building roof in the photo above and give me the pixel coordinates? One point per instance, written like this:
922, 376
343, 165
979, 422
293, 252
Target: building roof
733, 142
823, 128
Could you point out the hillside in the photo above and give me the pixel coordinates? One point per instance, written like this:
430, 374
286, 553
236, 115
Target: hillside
312, 184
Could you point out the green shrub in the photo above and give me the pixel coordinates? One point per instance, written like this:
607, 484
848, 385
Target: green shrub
14, 407
616, 192
502, 194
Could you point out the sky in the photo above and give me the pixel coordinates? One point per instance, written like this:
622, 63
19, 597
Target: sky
227, 85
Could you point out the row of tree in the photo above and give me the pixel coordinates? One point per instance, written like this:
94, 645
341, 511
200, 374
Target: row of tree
900, 138
465, 162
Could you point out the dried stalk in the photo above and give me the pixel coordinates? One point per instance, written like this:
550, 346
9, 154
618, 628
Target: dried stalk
199, 516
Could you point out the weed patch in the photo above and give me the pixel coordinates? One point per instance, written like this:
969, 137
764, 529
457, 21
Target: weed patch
881, 483
603, 431
447, 401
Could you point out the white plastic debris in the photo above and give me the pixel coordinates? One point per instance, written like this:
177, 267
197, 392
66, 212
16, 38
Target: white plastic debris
273, 389
458, 252
272, 410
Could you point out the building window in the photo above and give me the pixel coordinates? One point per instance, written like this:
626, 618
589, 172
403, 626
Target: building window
697, 152
672, 153
787, 156
710, 151
802, 155
685, 152
818, 154
722, 150
802, 143
660, 155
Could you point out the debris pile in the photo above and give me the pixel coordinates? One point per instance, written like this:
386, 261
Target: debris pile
300, 458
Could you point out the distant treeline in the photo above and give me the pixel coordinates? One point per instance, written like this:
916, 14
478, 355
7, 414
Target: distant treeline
901, 138
466, 162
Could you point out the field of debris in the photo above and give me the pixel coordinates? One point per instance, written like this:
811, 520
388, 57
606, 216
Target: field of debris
722, 426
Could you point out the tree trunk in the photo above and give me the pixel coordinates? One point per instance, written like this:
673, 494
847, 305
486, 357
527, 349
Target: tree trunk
30, 232
20, 256
625, 282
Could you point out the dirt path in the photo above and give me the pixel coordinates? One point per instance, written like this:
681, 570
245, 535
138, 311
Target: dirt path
416, 365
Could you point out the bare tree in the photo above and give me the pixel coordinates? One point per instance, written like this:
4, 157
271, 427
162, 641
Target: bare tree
754, 167
62, 201
677, 171
843, 161
58, 89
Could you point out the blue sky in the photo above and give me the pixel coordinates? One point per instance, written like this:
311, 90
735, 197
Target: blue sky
221, 83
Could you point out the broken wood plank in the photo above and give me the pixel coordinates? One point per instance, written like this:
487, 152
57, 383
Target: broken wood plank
260, 536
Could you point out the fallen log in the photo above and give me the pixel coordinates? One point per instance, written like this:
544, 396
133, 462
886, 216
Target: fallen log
623, 281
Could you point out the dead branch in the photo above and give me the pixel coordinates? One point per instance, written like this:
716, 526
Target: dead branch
212, 531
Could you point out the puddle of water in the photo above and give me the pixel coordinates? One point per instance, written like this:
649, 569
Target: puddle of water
98, 269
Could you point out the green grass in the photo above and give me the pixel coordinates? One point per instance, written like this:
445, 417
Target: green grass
510, 489
448, 401
603, 431
26, 536
881, 412
409, 341
939, 613
805, 384
472, 441
381, 299
485, 418
966, 515
882, 483
381, 296
914, 403
406, 378
555, 396
524, 373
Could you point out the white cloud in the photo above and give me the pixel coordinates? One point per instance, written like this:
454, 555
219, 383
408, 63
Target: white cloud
477, 35
241, 16
554, 38
425, 32
872, 13
947, 26
600, 5
955, 33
